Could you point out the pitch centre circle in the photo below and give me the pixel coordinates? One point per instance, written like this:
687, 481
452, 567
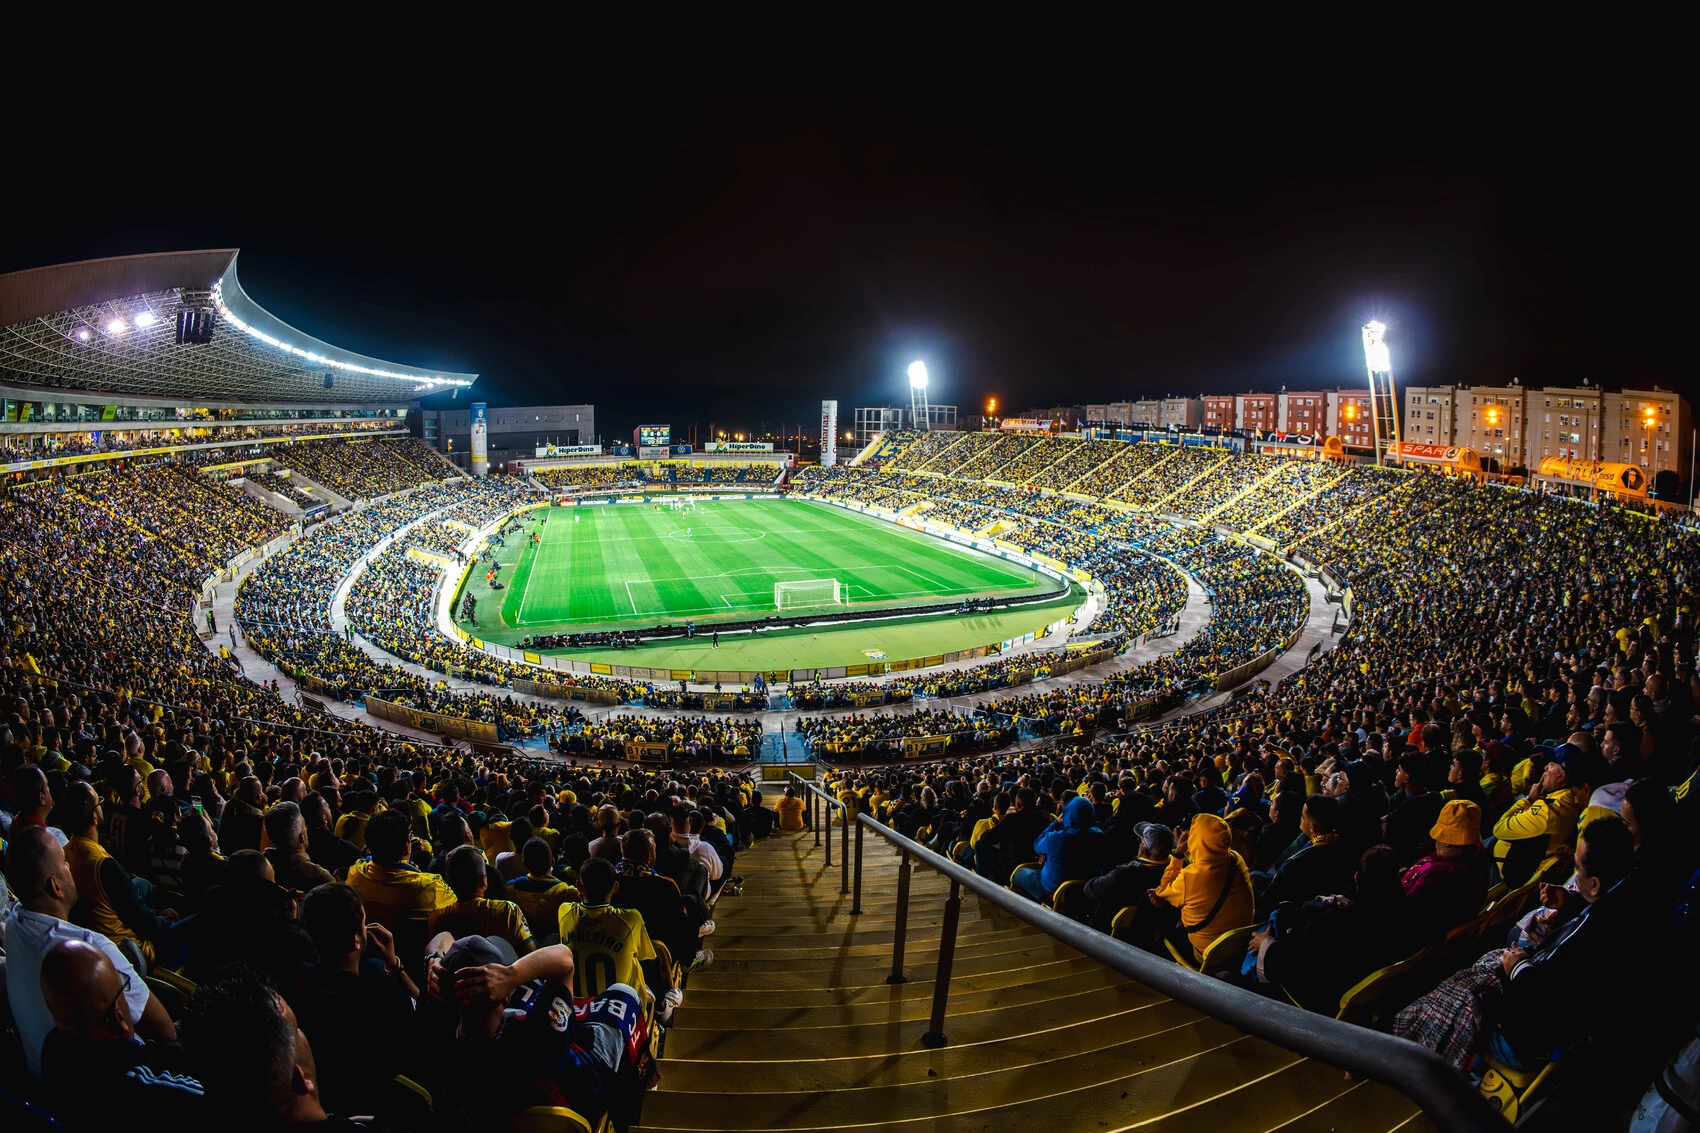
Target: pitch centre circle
738, 535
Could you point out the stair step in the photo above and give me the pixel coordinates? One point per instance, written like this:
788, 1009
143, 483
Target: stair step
719, 993
754, 1014
920, 1064
858, 970
992, 1024
793, 1027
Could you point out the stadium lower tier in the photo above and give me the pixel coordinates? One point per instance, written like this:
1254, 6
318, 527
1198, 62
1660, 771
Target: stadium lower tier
1480, 796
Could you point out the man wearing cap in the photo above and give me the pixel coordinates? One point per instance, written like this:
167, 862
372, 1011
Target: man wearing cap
522, 1041
1449, 886
1546, 819
1125, 885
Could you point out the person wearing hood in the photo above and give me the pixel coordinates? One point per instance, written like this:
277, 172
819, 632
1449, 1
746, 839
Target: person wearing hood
244, 817
1071, 846
1207, 882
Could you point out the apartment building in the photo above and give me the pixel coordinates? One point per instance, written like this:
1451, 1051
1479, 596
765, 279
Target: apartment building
1220, 413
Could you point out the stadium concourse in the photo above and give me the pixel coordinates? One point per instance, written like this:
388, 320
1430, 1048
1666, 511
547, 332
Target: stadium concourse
1414, 801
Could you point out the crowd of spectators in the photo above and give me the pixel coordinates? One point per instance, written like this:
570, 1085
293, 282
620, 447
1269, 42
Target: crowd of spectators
366, 470
1290, 482
150, 435
210, 918
704, 739
925, 448
1220, 483
720, 474
1514, 702
592, 476
1167, 472
1342, 498
880, 735
212, 520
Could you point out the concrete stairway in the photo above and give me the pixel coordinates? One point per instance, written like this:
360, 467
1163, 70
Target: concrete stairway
794, 1027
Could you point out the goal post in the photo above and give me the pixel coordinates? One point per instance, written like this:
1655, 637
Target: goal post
808, 592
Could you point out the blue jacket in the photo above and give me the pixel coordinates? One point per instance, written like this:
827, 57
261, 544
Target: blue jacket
1066, 856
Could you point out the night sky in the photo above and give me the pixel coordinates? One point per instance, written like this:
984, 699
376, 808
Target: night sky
736, 245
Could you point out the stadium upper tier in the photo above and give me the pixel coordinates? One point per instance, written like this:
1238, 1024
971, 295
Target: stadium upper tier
117, 326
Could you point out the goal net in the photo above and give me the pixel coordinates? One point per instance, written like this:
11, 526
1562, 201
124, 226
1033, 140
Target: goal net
811, 592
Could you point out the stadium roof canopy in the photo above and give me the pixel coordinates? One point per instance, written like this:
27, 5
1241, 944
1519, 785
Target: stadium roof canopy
110, 326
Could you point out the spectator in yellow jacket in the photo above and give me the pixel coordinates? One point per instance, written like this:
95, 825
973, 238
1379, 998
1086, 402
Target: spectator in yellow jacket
1537, 825
790, 809
1207, 881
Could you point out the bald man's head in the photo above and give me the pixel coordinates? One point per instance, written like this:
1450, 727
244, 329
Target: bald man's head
159, 783
85, 993
38, 872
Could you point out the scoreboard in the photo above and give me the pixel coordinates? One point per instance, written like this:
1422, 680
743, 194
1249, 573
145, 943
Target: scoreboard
652, 436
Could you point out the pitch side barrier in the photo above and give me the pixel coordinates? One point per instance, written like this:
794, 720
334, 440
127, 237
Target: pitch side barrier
1449, 1101
475, 731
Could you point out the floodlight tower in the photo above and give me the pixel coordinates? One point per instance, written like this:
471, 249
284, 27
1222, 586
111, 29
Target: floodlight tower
1383, 402
920, 413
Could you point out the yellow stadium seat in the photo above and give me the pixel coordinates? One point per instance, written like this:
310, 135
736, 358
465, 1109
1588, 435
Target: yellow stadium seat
556, 1119
1365, 1000
1068, 899
420, 1095
1511, 1091
1224, 952
183, 984
170, 996
1019, 868
1505, 912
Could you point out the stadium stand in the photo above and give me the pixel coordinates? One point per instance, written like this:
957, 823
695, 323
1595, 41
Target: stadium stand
1465, 826
367, 473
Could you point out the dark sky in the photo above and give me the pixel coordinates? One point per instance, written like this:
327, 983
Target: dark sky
738, 243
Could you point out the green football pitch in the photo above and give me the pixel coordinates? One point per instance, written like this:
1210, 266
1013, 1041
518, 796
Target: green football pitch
615, 566
618, 564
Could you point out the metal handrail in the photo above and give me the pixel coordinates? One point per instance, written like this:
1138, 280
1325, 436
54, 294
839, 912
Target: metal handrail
815, 793
1415, 1071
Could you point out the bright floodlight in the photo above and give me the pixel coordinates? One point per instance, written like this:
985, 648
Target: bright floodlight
83, 335
116, 326
918, 375
146, 319
1375, 350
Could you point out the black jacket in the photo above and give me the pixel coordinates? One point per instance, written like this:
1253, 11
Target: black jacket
1122, 886
1318, 870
